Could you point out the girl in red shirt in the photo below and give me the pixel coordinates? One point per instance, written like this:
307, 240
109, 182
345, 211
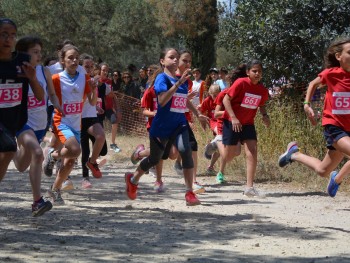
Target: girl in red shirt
335, 119
208, 108
241, 103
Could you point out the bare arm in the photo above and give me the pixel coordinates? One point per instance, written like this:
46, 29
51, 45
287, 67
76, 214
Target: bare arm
165, 97
236, 124
309, 93
265, 116
51, 91
30, 73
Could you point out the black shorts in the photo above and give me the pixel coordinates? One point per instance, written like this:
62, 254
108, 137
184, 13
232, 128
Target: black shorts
193, 141
86, 123
332, 134
230, 137
7, 140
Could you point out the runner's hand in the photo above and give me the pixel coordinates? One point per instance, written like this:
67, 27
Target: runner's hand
310, 114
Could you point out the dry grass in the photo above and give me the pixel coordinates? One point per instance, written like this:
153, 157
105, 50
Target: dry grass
288, 123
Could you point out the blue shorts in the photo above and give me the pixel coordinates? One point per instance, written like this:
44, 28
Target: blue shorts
229, 137
39, 134
64, 132
332, 134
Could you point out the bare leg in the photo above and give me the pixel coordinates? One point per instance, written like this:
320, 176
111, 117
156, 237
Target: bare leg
5, 159
250, 147
97, 131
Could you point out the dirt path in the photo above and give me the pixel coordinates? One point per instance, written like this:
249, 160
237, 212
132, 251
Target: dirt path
101, 225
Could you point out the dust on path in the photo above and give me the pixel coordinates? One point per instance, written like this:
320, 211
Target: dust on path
102, 225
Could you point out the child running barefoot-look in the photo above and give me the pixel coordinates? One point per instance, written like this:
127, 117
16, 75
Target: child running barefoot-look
15, 74
241, 103
335, 119
169, 125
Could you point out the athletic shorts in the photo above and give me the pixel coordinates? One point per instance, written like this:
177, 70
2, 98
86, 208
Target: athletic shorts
110, 115
64, 132
193, 141
230, 137
7, 140
332, 134
39, 134
86, 123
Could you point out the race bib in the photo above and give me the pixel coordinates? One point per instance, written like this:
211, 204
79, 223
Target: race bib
73, 108
341, 103
178, 103
34, 104
10, 95
251, 101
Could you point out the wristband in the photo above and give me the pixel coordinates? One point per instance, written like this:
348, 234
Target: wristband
306, 102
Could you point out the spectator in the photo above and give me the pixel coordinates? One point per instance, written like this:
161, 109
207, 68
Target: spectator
129, 86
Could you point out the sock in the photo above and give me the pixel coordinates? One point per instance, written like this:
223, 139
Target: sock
133, 181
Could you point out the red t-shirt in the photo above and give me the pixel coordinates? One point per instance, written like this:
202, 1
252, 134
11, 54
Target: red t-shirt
149, 101
246, 98
336, 110
218, 101
208, 108
108, 100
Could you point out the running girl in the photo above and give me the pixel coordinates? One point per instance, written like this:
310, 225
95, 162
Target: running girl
335, 118
72, 88
168, 126
241, 102
32, 133
15, 74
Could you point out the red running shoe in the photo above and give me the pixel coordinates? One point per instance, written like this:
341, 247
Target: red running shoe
191, 199
94, 169
131, 189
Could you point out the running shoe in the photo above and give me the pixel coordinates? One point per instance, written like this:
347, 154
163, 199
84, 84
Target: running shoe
178, 168
198, 188
39, 208
152, 171
220, 178
115, 148
210, 170
286, 157
131, 189
253, 192
332, 187
95, 170
67, 185
55, 196
86, 184
159, 187
191, 199
209, 149
135, 158
49, 163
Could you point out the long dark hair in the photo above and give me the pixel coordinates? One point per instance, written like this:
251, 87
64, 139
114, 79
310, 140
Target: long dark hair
336, 46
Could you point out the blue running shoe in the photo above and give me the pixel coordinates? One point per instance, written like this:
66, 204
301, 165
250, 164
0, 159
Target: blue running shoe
285, 158
332, 187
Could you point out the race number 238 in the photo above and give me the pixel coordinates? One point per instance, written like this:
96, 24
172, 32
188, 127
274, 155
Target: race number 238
341, 103
251, 101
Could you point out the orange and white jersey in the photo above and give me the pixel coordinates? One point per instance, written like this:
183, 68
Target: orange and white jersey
71, 93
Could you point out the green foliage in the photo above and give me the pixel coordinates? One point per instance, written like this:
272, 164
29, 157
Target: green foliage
289, 37
119, 32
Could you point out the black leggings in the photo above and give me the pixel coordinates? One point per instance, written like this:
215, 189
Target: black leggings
158, 148
86, 123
